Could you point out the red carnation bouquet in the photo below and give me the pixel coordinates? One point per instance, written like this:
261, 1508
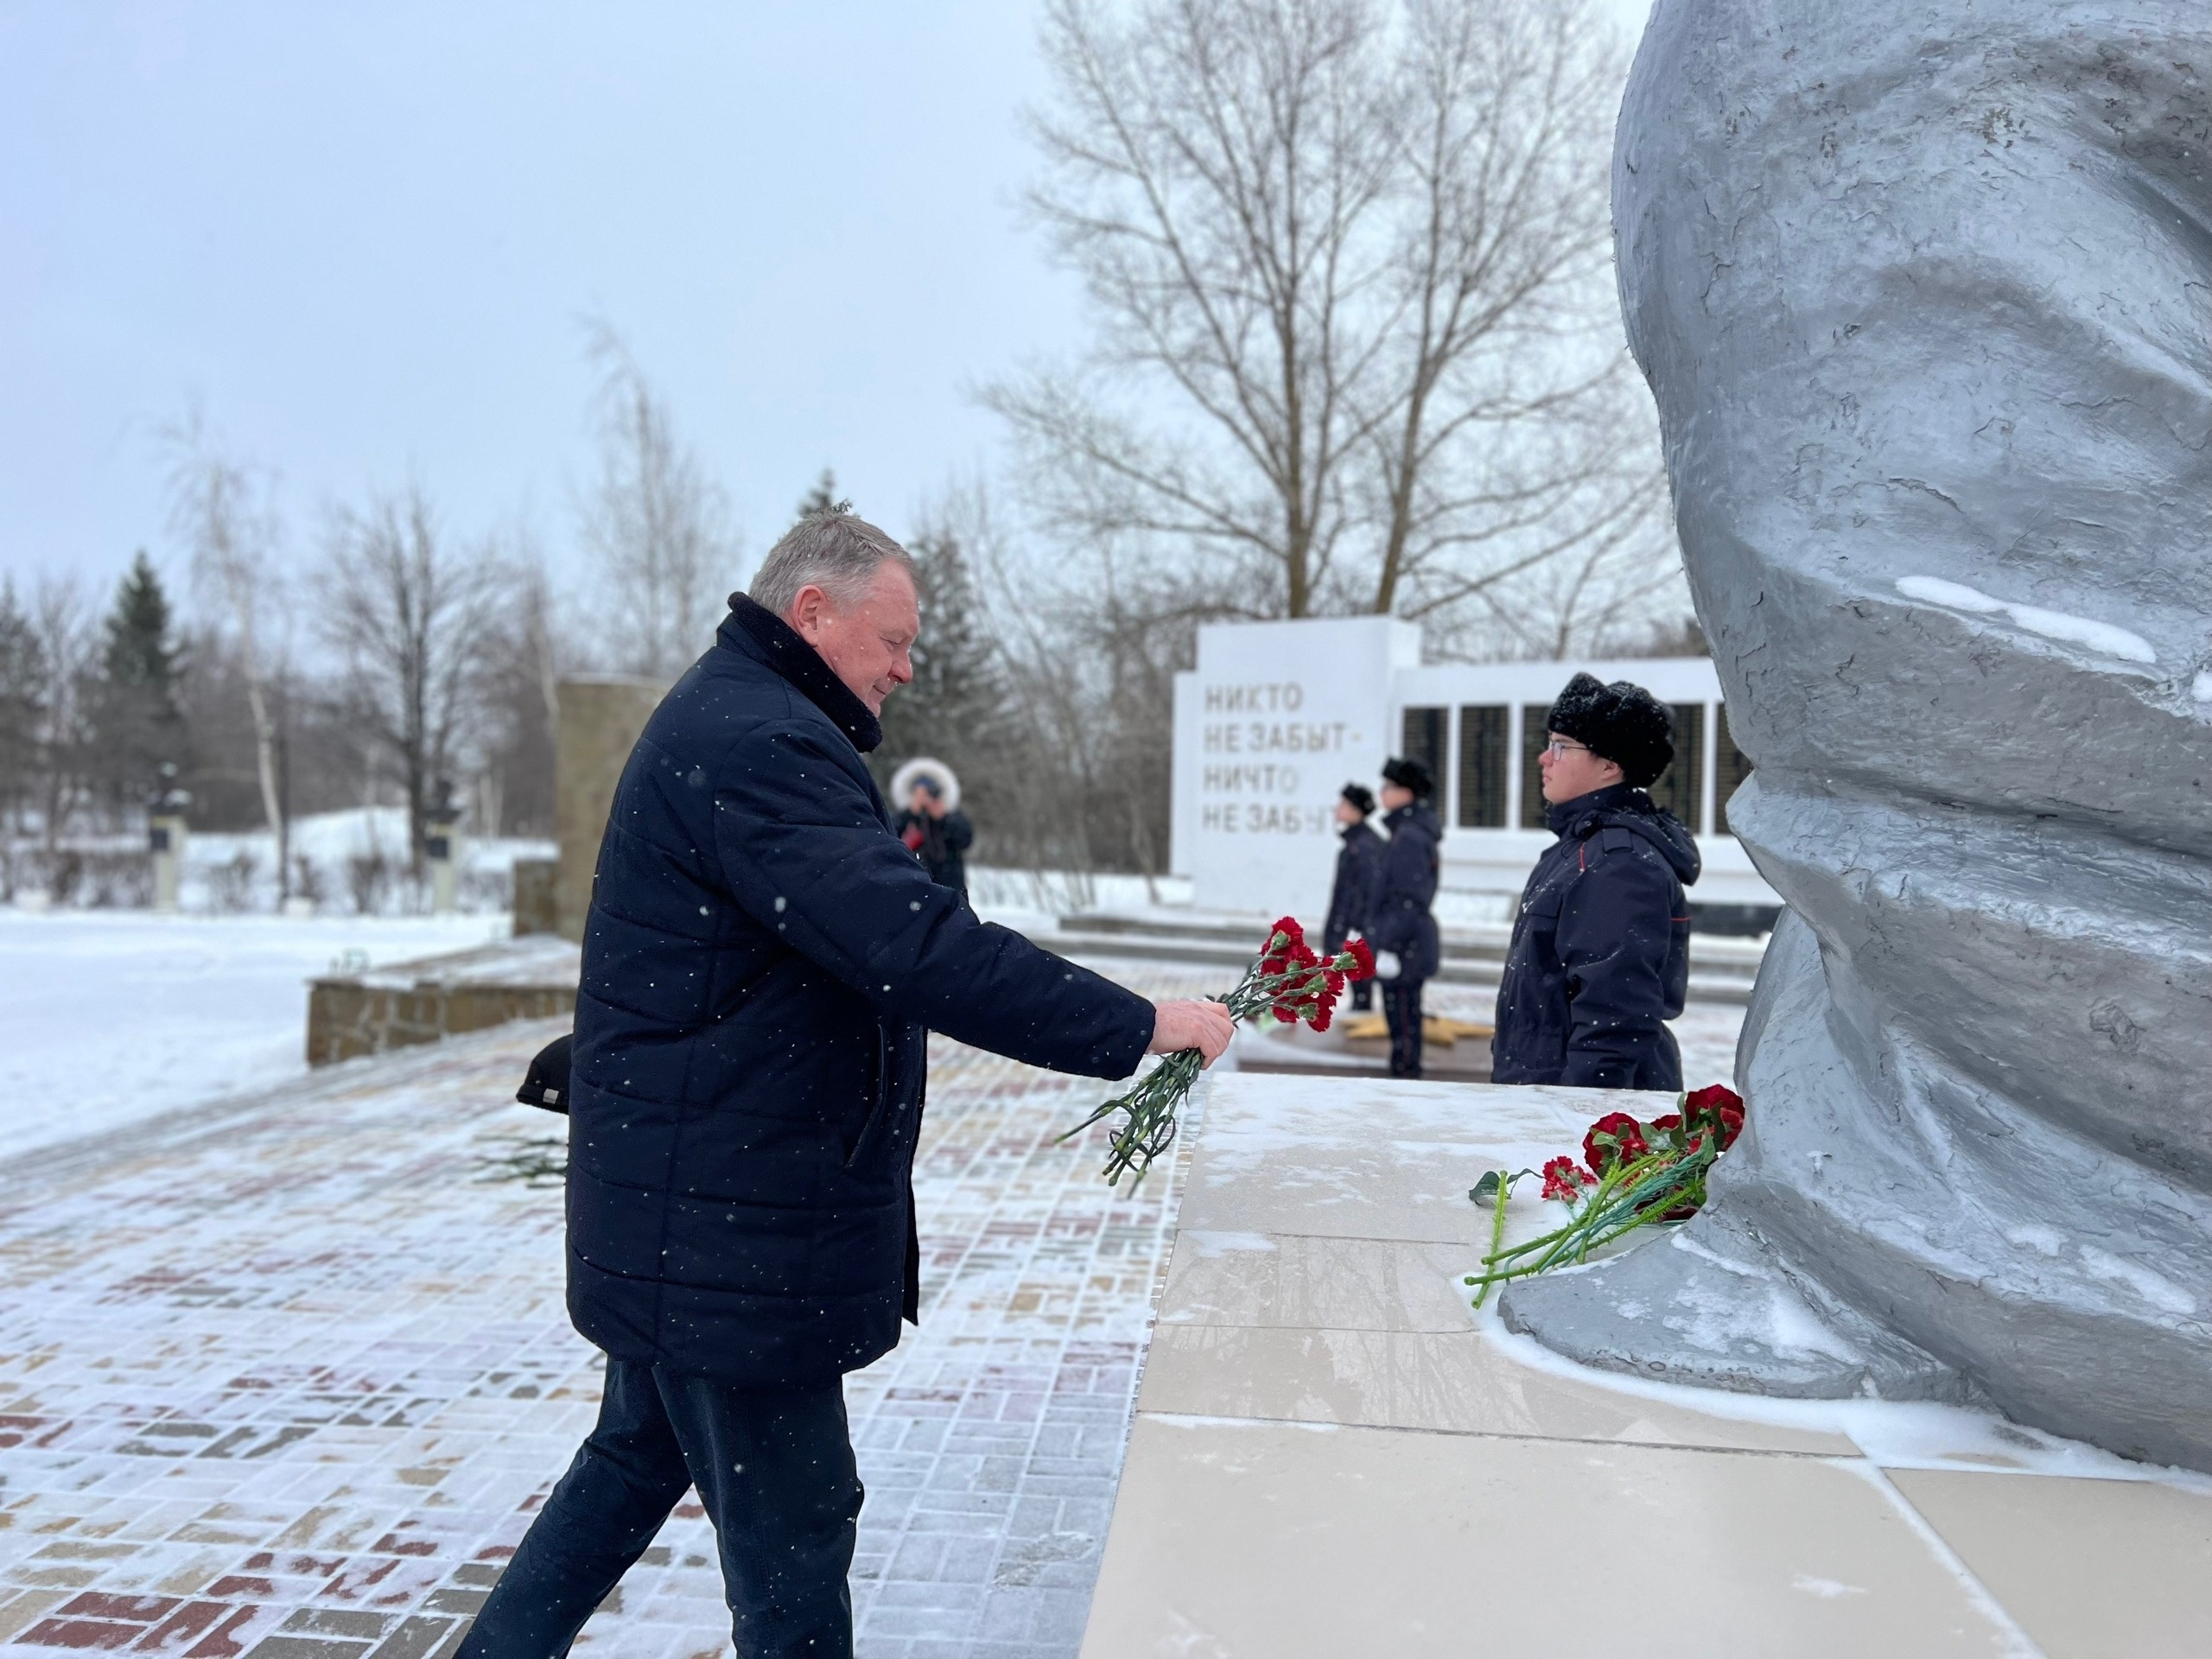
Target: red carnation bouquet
1288, 979
1632, 1174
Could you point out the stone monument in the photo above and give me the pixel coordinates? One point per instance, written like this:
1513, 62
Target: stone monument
600, 715
1924, 292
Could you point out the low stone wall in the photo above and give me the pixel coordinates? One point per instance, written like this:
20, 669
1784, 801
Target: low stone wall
425, 1002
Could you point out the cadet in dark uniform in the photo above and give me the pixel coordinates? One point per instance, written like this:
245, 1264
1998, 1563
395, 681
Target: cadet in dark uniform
1399, 924
1600, 955
1359, 865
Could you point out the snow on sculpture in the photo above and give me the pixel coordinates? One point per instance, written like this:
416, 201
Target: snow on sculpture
1924, 293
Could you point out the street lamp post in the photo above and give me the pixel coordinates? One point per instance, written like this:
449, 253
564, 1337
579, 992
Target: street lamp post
165, 833
442, 845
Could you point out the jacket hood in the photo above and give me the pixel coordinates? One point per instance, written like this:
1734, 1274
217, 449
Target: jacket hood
753, 631
1624, 807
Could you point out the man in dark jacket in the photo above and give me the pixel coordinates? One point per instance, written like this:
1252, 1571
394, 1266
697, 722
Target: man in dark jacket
939, 836
762, 963
1400, 926
1599, 960
1359, 863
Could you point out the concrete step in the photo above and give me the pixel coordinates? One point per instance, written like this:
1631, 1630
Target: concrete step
1721, 952
1724, 975
1720, 984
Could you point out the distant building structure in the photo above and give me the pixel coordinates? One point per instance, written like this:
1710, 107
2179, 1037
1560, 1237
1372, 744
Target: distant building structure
1278, 717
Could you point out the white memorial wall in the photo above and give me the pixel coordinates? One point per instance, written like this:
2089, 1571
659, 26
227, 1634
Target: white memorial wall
1276, 719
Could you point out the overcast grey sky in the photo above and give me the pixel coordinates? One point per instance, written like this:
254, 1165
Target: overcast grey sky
365, 236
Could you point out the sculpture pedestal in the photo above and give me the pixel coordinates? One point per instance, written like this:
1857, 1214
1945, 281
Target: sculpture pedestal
1333, 1455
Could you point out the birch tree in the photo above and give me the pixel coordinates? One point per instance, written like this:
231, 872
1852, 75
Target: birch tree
656, 525
225, 515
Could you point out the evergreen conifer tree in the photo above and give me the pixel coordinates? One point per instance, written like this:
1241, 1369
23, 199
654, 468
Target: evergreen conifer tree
824, 497
136, 723
954, 710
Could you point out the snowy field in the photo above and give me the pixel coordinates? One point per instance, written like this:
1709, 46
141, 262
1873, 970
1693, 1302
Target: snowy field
111, 1016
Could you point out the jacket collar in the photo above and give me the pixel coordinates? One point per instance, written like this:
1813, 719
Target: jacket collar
1566, 816
754, 632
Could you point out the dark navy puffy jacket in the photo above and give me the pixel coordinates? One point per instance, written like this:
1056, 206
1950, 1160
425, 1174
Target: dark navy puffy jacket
1399, 920
1600, 955
762, 961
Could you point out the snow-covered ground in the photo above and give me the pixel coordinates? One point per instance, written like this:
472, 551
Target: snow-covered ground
109, 1016
342, 863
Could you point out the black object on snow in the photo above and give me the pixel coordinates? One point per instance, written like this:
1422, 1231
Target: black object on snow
547, 1083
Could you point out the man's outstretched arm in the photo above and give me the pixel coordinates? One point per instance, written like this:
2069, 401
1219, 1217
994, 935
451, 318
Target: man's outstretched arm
802, 851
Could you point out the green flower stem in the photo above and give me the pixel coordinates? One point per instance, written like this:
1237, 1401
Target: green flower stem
1628, 1196
1149, 1107
1496, 1229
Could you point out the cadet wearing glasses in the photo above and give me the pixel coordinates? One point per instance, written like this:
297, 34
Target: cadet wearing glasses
1599, 960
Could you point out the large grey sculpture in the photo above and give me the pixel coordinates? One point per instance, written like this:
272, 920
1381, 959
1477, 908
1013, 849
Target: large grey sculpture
1924, 292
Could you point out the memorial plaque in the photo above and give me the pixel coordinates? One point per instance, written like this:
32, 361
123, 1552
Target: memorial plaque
1276, 719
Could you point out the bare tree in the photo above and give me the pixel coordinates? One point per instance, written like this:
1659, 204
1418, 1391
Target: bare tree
226, 515
656, 523
407, 613
1350, 263
63, 651
1076, 770
524, 653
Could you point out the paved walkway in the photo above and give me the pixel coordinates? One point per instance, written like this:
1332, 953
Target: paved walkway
281, 1378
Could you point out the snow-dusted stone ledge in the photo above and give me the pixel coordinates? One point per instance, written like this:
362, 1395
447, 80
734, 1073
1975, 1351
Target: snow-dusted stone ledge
1333, 1454
351, 1014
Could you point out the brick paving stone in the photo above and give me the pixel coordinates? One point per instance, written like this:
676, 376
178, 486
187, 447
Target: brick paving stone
285, 1377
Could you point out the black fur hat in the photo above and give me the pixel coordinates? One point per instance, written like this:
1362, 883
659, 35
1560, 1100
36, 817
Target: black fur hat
1621, 722
1362, 797
1409, 773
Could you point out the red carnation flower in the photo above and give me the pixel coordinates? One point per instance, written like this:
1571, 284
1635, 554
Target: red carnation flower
1717, 1108
1613, 1139
1271, 966
1363, 957
1563, 1179
1322, 1016
1287, 928
1672, 1120
1285, 1012
1335, 981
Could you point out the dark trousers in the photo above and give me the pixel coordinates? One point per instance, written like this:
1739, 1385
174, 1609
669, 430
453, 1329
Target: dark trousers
774, 1470
1402, 1008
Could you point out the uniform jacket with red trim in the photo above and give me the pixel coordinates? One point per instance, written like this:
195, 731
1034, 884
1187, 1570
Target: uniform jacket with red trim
1600, 955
